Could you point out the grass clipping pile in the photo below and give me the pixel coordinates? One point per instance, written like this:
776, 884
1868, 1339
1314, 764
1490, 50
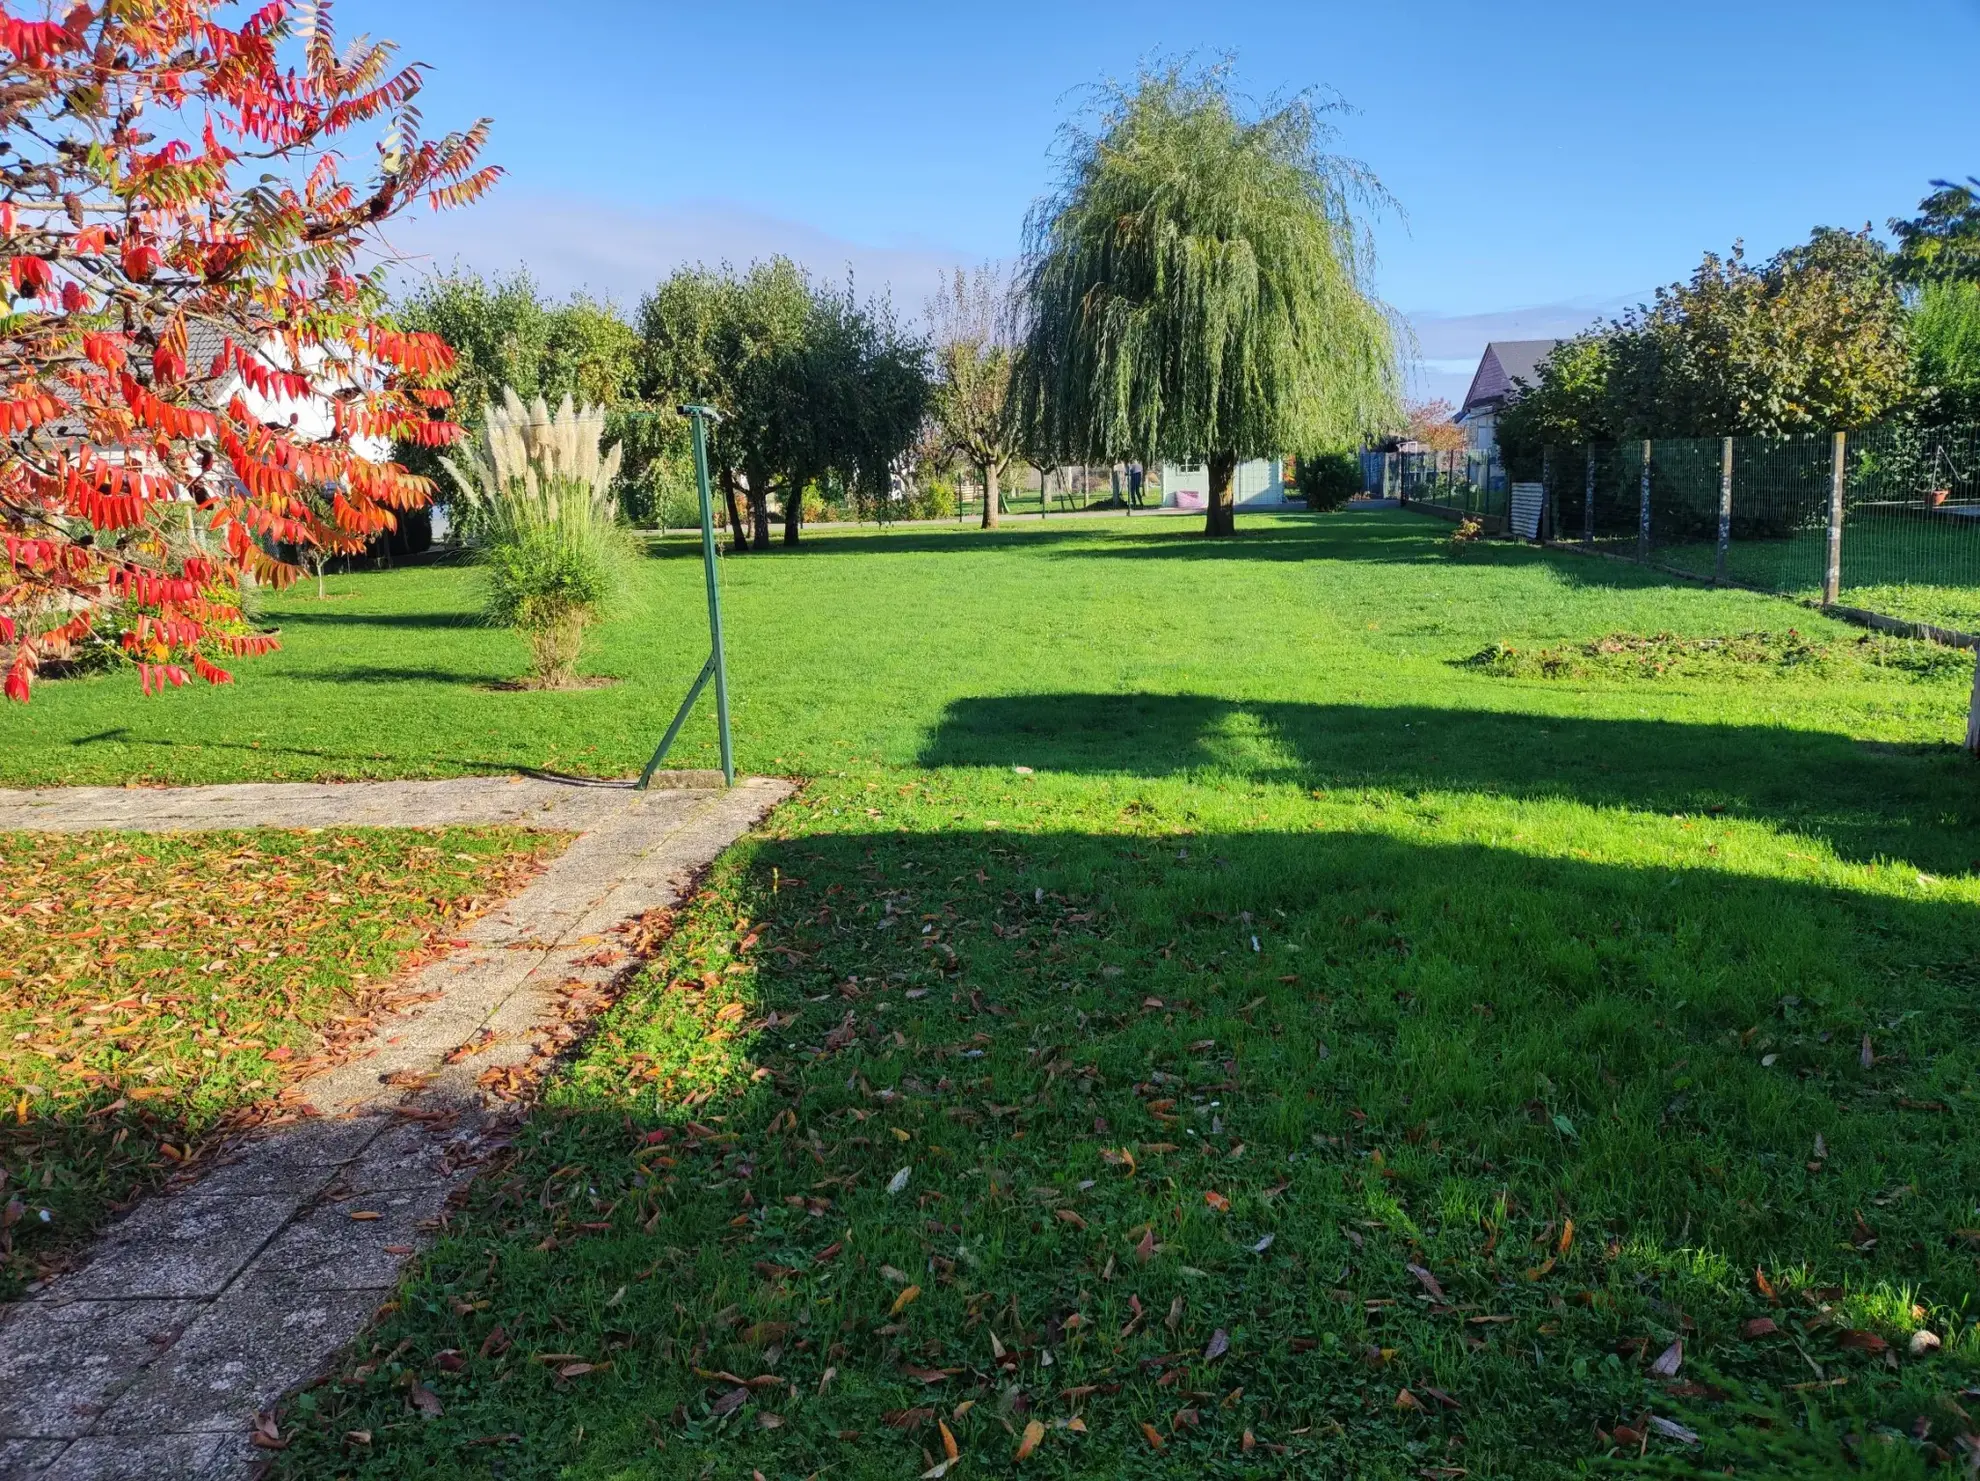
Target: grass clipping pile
158, 992
1666, 655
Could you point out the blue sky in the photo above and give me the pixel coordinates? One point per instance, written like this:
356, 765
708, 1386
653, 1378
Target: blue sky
1552, 160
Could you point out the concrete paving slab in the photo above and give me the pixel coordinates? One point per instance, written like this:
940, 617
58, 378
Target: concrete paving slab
61, 1363
248, 1348
336, 1248
21, 1460
190, 1245
136, 1458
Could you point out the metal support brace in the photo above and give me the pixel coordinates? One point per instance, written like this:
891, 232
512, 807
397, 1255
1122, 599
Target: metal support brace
716, 667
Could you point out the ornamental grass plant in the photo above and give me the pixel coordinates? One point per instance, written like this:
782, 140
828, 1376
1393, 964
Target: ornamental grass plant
540, 517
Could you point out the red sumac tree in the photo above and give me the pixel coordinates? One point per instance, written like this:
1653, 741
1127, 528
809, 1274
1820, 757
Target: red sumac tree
197, 377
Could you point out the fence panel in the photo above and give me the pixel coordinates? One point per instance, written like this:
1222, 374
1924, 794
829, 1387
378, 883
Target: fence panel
1909, 537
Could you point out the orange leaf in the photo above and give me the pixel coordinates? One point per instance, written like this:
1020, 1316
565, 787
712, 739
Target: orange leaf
1154, 1436
1033, 1433
906, 1299
1217, 1201
948, 1441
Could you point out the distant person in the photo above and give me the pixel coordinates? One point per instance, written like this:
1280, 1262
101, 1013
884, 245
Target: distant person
1134, 485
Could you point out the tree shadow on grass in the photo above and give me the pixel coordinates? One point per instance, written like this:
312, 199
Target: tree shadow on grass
386, 674
290, 617
1378, 1053
1917, 804
122, 736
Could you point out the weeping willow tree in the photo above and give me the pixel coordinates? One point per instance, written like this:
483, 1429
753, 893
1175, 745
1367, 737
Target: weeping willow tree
1198, 287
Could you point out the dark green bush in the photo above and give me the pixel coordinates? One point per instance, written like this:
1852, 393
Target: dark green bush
1329, 480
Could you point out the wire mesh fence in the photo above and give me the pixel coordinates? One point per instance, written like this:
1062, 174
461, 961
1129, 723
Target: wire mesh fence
1886, 519
1463, 483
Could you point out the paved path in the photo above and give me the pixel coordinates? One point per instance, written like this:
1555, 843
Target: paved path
201, 1308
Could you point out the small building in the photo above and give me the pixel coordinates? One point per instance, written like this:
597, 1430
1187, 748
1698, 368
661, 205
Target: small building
1504, 361
1258, 483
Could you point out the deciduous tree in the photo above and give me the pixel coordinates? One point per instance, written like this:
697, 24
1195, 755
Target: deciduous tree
1198, 287
971, 396
180, 242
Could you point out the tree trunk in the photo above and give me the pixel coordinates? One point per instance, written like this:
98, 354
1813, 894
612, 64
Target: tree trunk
989, 496
793, 507
1219, 514
759, 508
736, 529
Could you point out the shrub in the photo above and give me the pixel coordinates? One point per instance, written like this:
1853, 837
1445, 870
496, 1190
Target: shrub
1329, 480
540, 518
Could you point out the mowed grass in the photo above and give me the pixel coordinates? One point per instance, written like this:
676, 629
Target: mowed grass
159, 990
1308, 1052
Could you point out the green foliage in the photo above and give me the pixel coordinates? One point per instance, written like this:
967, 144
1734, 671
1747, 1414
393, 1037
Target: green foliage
1813, 340
1945, 348
810, 382
1329, 480
1568, 407
539, 514
1942, 242
506, 332
1199, 285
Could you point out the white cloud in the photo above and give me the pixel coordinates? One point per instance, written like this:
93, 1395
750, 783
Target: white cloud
570, 243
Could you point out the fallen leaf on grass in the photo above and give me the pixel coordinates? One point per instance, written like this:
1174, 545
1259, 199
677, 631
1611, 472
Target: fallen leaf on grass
1217, 1201
926, 1375
1153, 1436
1407, 1400
729, 1403
949, 1448
1263, 1245
1673, 1429
1144, 1251
899, 1180
1670, 1361
1862, 1341
1760, 1326
1220, 1343
903, 1301
425, 1401
1764, 1286
1033, 1433
1067, 1216
1428, 1281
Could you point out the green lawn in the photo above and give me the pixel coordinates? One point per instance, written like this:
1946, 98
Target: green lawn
1309, 1051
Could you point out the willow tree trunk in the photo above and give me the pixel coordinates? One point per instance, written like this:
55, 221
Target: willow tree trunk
736, 529
989, 496
1219, 513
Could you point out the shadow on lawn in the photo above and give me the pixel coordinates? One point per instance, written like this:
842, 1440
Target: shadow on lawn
291, 617
1586, 1037
1918, 805
122, 736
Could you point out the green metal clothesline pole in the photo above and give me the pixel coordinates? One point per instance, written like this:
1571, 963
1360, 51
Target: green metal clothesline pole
716, 668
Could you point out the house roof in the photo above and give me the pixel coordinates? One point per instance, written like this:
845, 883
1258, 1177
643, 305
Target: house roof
1504, 361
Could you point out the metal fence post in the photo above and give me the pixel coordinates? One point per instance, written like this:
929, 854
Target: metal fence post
1725, 509
1588, 501
1832, 572
1547, 483
1643, 509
